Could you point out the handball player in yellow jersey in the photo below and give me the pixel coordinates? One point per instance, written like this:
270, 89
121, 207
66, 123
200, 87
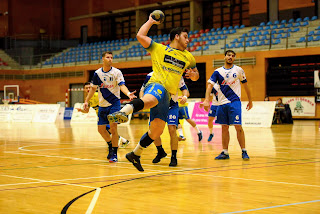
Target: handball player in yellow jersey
168, 64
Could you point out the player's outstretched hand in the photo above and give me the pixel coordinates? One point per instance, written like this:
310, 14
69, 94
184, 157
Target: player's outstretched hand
131, 95
249, 106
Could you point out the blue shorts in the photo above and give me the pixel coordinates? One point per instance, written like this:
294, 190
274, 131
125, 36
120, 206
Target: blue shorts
213, 111
105, 111
183, 113
173, 113
229, 114
161, 110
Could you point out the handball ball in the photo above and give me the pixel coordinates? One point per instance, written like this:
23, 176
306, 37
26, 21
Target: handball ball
158, 15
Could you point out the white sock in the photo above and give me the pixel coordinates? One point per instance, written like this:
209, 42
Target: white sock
244, 149
225, 151
138, 150
122, 139
180, 131
128, 109
198, 130
211, 130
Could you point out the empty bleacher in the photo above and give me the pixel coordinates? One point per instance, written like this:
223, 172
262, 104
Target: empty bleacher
271, 35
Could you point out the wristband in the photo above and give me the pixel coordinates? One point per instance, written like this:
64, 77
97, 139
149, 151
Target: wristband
185, 97
128, 94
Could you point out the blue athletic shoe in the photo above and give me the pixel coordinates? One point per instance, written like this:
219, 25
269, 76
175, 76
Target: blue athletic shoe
222, 156
245, 156
200, 136
113, 159
210, 137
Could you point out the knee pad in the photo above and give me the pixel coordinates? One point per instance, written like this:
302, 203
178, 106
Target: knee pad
137, 104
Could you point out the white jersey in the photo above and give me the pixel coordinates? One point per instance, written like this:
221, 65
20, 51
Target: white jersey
108, 83
229, 82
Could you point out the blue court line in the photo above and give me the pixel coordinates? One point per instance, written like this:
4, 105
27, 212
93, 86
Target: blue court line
263, 208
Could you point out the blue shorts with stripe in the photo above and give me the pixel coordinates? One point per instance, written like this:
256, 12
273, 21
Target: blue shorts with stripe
183, 113
229, 114
213, 111
173, 113
104, 111
161, 110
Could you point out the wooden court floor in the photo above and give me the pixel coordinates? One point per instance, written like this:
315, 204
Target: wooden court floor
62, 168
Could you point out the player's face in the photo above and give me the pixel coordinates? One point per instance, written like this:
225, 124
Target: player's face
229, 58
107, 59
87, 88
183, 40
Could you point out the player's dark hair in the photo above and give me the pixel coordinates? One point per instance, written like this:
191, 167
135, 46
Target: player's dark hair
106, 52
229, 51
177, 30
87, 83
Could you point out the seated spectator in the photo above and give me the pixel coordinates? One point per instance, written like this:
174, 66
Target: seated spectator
266, 98
282, 113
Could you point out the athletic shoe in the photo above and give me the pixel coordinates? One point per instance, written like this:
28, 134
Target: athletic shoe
200, 135
173, 162
210, 137
181, 138
159, 156
125, 144
114, 159
118, 116
110, 153
245, 156
112, 118
222, 156
135, 160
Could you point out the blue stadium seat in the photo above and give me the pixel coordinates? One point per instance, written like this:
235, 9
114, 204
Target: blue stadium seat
230, 28
298, 20
291, 21
235, 40
224, 28
253, 29
296, 24
262, 24
239, 45
311, 33
267, 28
303, 24
317, 33
281, 26
269, 23
259, 33
236, 27
317, 38
306, 19
302, 39
314, 18
276, 22
310, 38
212, 30
275, 42
284, 21
205, 48
242, 26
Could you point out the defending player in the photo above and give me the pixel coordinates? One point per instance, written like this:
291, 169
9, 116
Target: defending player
109, 81
226, 80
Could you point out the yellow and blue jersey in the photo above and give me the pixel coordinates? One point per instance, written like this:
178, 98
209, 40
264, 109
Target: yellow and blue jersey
168, 65
94, 102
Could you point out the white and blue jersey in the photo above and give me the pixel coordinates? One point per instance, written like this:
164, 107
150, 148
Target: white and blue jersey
108, 83
229, 82
229, 94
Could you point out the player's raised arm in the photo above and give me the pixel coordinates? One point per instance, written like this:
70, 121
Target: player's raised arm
142, 37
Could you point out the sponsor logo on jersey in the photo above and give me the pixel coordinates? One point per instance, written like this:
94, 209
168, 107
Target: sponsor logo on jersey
174, 61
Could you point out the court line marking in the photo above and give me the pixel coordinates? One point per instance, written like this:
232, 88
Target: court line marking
249, 179
283, 205
46, 181
93, 201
